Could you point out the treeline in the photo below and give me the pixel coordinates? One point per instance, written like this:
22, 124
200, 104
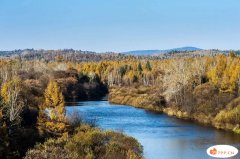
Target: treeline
89, 56
61, 55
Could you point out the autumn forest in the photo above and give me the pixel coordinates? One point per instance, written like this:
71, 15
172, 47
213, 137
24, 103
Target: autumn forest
35, 85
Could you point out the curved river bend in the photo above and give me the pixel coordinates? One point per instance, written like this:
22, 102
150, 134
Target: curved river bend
162, 137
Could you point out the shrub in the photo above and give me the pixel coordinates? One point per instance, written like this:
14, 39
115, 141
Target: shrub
51, 149
88, 143
231, 114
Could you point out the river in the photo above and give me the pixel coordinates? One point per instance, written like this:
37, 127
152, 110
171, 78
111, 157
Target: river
162, 137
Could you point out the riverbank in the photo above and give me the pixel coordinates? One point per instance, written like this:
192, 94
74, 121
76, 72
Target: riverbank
141, 97
153, 130
203, 109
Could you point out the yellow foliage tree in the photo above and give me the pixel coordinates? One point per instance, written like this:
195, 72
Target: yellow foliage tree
230, 78
10, 94
51, 119
225, 73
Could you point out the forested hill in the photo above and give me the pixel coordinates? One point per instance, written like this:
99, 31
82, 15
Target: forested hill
60, 55
158, 52
89, 56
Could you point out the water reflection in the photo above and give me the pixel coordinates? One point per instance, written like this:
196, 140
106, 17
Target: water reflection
163, 137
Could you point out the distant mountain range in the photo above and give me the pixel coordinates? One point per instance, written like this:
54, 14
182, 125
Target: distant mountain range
157, 52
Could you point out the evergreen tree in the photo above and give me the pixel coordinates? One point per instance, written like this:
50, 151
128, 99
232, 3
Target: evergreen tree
148, 66
140, 67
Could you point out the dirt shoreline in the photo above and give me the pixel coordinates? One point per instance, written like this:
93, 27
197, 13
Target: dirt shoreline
199, 118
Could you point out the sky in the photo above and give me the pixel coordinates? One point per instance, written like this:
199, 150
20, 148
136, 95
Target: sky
119, 25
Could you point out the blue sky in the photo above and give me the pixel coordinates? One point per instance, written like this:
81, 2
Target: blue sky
119, 25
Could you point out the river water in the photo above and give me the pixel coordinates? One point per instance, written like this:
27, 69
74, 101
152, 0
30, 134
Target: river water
162, 137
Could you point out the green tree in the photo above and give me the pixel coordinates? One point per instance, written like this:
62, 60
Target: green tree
122, 70
140, 67
148, 66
